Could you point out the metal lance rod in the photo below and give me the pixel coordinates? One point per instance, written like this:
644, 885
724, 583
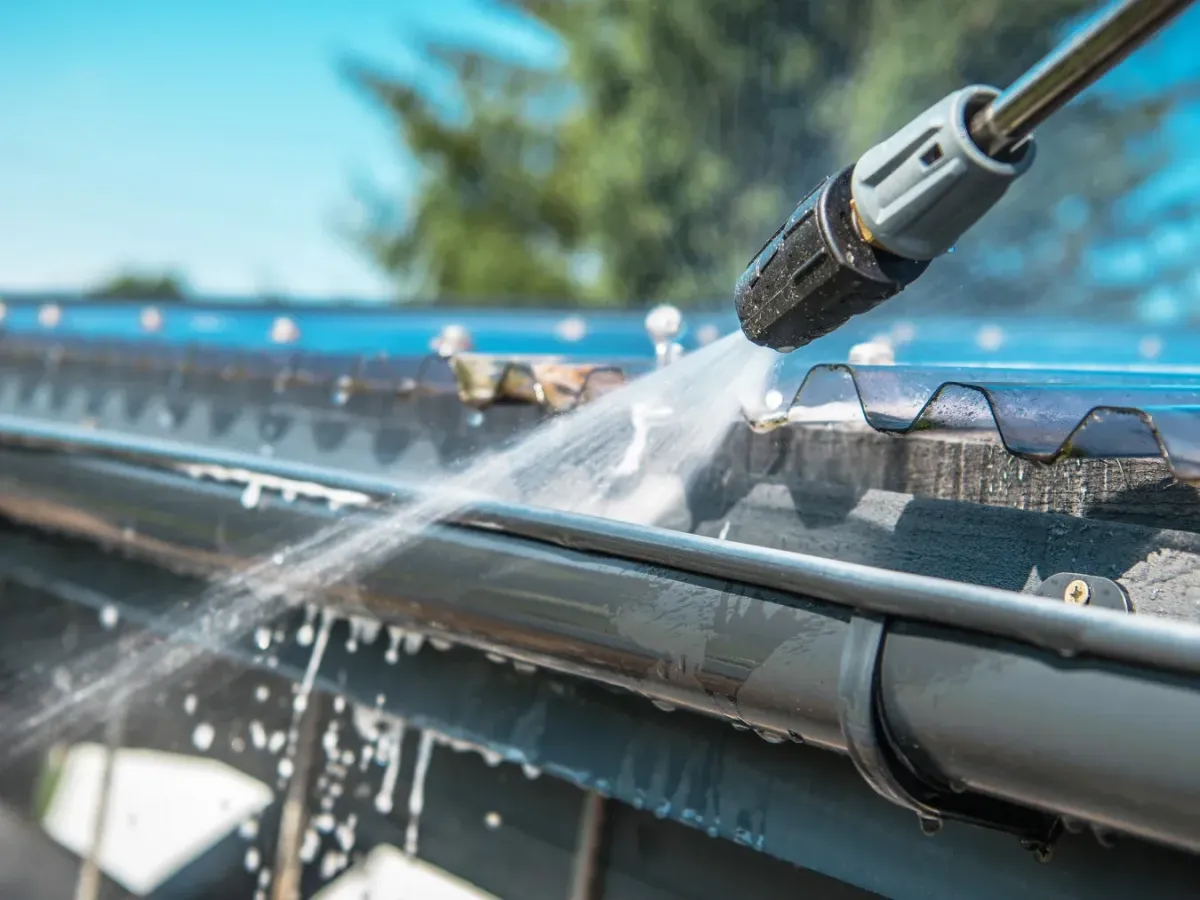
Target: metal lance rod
1064, 74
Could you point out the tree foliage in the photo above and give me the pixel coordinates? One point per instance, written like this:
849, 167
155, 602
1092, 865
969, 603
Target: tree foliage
131, 285
655, 163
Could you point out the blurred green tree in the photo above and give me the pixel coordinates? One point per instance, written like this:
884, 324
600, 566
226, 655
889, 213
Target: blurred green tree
677, 135
131, 285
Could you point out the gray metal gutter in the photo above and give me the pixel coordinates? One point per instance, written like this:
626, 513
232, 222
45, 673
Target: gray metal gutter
1006, 702
796, 803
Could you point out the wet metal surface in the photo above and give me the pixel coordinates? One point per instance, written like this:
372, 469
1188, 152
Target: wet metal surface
1047, 389
688, 627
794, 802
1039, 413
748, 636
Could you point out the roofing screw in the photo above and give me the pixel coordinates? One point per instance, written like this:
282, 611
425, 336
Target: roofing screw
1042, 851
663, 324
151, 319
572, 328
1077, 592
451, 340
284, 331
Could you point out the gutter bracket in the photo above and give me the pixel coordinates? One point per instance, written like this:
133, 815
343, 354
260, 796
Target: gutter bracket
882, 765
1086, 590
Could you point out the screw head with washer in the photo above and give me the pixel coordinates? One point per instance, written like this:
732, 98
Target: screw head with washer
1077, 593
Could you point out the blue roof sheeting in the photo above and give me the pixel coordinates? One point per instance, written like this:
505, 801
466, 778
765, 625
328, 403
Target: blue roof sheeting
1049, 387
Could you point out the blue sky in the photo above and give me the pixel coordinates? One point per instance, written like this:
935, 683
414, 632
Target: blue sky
216, 137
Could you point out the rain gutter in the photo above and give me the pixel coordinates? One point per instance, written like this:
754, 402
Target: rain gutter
955, 701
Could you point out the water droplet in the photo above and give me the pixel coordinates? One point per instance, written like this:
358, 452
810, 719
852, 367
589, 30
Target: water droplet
285, 768
262, 638
492, 820
258, 735
300, 701
249, 829
253, 859
262, 693
344, 834
395, 635
202, 736
341, 390
384, 801
252, 494
329, 742
189, 704
305, 634
524, 668
310, 845
61, 677
440, 644
277, 742
332, 863
664, 705
531, 771
237, 744
109, 616
413, 641
748, 838
416, 795
495, 658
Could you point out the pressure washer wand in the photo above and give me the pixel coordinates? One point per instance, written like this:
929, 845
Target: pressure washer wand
867, 232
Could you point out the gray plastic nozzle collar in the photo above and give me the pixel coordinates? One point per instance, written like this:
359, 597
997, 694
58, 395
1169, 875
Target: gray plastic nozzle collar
920, 190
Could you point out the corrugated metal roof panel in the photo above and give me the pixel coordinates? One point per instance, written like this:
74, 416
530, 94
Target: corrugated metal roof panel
1040, 414
1048, 387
